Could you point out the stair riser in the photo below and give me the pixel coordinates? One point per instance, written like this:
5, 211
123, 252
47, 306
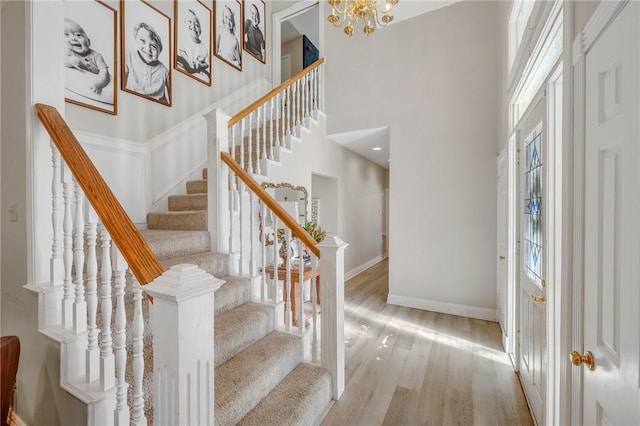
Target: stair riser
187, 202
178, 221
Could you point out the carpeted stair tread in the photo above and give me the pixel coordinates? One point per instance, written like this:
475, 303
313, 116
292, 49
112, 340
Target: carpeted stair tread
216, 264
300, 399
197, 186
167, 243
241, 327
234, 292
245, 379
179, 203
194, 220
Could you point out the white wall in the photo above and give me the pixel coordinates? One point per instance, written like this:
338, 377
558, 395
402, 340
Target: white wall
325, 189
294, 48
434, 80
359, 194
139, 119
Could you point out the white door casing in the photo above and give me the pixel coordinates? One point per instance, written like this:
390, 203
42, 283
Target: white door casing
532, 291
501, 296
611, 267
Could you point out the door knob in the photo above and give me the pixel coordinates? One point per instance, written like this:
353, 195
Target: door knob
501, 257
587, 359
540, 299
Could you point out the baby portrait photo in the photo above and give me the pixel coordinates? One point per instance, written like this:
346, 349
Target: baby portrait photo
193, 39
254, 40
228, 32
90, 29
146, 51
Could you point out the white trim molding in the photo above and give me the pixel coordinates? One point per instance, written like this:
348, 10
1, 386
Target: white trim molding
359, 269
476, 312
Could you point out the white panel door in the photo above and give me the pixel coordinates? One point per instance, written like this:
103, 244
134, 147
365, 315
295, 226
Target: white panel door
612, 230
533, 312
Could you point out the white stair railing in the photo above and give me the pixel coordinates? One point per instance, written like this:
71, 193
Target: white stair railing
94, 285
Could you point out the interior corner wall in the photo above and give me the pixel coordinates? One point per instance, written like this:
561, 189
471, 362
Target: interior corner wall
294, 48
434, 80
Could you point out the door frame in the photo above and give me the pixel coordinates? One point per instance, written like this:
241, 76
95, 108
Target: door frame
556, 22
602, 17
276, 33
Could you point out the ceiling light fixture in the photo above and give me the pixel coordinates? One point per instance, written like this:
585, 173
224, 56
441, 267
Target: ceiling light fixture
377, 148
372, 13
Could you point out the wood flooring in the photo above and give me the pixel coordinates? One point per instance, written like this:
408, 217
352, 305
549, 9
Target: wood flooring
411, 367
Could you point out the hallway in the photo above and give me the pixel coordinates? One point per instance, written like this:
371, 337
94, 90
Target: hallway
411, 367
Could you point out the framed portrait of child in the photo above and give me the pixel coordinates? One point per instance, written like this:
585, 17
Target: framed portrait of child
254, 39
227, 32
193, 39
90, 29
146, 51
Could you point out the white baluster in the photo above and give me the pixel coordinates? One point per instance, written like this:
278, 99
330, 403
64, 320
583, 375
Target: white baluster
314, 94
241, 226
287, 110
67, 255
250, 145
263, 222
321, 105
279, 120
272, 141
287, 290
79, 303
300, 318
119, 279
107, 366
314, 301
252, 233
93, 351
232, 143
264, 132
57, 264
275, 282
242, 162
295, 121
258, 152
137, 415
305, 96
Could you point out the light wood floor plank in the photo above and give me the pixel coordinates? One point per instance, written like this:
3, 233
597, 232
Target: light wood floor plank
411, 367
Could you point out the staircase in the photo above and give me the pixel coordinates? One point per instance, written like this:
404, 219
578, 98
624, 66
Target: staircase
260, 376
219, 345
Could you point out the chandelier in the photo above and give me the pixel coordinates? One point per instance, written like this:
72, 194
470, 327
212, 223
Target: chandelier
372, 13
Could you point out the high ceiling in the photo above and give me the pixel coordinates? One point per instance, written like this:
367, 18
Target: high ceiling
361, 141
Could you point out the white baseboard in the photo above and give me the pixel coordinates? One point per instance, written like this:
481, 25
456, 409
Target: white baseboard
355, 271
443, 307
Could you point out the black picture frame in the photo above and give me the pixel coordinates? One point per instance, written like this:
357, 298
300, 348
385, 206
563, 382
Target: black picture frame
254, 40
91, 73
146, 51
193, 39
228, 41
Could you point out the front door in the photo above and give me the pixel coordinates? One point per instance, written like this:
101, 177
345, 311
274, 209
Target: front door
532, 295
612, 227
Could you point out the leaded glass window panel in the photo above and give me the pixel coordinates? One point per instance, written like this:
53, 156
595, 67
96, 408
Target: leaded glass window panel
533, 205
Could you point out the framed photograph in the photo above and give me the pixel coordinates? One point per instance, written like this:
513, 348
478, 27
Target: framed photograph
146, 51
193, 39
90, 33
254, 40
228, 30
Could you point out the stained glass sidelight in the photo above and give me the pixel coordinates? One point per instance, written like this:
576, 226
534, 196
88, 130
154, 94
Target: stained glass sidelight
533, 206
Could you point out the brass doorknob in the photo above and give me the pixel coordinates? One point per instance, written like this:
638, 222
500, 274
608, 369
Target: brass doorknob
587, 359
501, 257
540, 299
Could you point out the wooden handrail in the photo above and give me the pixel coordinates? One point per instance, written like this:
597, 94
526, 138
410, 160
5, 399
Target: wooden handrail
141, 260
271, 203
254, 106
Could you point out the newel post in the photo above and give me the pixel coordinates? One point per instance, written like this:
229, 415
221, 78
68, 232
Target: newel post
218, 180
332, 318
181, 319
